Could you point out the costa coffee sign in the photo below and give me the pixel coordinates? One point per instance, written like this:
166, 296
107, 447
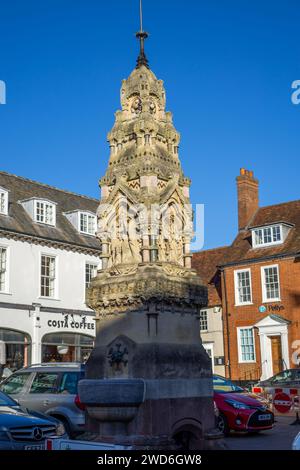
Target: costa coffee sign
72, 322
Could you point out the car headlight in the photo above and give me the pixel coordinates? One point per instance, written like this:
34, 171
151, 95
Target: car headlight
238, 405
60, 429
3, 434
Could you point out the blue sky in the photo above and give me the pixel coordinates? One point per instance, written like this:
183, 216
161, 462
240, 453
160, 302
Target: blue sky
227, 65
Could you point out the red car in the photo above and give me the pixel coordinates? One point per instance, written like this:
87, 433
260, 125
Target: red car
239, 410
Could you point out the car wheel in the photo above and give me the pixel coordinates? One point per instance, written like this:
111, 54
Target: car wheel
223, 424
66, 425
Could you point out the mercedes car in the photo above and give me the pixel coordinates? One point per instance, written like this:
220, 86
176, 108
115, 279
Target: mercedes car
21, 429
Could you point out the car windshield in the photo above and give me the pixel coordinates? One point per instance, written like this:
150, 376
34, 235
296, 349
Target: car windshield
285, 376
222, 385
6, 400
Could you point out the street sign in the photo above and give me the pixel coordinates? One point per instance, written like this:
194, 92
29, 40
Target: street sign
282, 402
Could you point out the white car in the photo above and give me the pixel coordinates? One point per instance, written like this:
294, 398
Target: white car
296, 443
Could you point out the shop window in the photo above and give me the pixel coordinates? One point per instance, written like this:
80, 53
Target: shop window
18, 348
66, 347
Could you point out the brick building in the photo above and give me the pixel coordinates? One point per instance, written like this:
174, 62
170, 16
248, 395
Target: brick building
211, 320
260, 286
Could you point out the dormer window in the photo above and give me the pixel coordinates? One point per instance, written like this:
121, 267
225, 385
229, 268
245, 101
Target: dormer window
3, 201
44, 212
269, 235
83, 221
41, 211
87, 223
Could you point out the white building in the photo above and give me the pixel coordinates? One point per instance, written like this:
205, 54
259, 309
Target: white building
48, 254
211, 321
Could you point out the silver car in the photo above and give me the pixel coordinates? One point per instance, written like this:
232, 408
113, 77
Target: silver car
50, 388
24, 430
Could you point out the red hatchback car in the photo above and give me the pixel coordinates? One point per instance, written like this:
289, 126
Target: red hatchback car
238, 409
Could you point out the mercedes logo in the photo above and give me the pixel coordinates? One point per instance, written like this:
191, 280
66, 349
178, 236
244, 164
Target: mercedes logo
37, 434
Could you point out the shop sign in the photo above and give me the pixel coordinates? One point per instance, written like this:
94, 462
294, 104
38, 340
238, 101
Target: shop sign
271, 308
72, 322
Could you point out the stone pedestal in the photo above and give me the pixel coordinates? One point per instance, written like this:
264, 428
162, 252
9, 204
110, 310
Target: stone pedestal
149, 378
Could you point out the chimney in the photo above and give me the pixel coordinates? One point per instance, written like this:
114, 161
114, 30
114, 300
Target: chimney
247, 188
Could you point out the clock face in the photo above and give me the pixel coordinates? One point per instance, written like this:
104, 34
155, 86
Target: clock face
136, 107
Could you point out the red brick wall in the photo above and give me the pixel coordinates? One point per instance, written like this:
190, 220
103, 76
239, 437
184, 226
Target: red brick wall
239, 316
247, 189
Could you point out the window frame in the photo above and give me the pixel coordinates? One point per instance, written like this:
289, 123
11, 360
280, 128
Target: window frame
264, 228
236, 287
44, 202
55, 296
5, 193
203, 330
240, 353
6, 271
263, 284
89, 263
87, 214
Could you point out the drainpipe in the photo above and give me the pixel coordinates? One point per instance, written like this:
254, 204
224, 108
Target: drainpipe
36, 339
227, 322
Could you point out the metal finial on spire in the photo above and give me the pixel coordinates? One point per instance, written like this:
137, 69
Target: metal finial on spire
142, 35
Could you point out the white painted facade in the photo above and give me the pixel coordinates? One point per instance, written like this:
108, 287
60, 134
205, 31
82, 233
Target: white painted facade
212, 339
23, 309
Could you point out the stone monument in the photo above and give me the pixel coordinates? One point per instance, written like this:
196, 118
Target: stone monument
148, 381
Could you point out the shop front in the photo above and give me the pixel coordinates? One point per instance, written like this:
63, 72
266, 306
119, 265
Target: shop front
65, 337
17, 348
38, 334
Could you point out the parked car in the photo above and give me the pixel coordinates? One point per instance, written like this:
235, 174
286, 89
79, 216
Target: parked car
21, 429
296, 442
285, 379
240, 410
50, 388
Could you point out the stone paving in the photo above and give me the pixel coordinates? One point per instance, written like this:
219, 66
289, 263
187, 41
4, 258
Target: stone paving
279, 438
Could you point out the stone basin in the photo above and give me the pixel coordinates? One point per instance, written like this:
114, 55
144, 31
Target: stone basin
112, 399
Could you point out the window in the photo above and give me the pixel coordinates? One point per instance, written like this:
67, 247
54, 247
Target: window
222, 385
87, 223
203, 320
246, 345
3, 202
3, 269
90, 272
76, 347
270, 283
44, 383
45, 212
15, 383
48, 276
285, 376
266, 236
243, 294
69, 382
17, 347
